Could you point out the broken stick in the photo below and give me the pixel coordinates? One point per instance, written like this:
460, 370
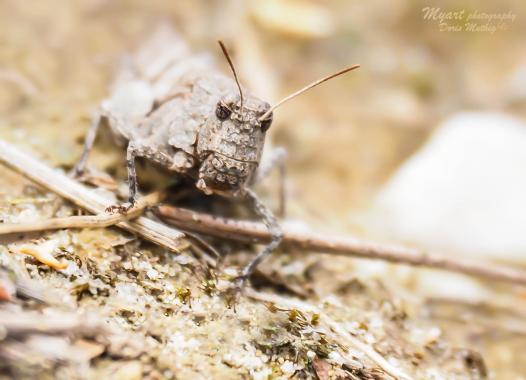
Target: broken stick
253, 232
84, 221
172, 239
80, 195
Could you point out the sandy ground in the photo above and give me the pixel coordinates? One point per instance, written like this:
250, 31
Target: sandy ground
123, 308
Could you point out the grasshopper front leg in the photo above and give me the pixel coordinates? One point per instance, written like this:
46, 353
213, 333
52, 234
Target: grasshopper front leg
140, 148
276, 159
131, 154
79, 168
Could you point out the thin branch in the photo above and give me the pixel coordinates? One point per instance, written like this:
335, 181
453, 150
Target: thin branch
87, 221
346, 246
340, 333
59, 183
170, 238
27, 322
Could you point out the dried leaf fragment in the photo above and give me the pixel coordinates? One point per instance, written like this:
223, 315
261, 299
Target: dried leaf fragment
43, 253
89, 348
6, 291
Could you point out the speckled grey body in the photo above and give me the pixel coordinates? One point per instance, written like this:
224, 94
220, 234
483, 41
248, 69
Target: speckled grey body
198, 130
175, 109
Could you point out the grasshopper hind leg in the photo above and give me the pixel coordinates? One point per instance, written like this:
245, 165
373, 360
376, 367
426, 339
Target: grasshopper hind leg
276, 159
274, 228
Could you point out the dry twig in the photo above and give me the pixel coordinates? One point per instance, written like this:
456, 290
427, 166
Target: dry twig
87, 221
27, 322
80, 195
346, 246
170, 238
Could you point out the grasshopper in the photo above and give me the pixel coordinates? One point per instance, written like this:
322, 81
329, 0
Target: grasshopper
178, 111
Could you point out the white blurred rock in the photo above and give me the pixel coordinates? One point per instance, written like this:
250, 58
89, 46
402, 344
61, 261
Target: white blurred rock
515, 86
463, 192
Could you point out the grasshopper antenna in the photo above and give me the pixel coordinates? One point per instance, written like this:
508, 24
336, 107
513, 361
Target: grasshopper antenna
306, 88
227, 56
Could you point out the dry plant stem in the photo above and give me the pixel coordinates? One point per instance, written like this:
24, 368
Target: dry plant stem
85, 198
340, 333
16, 324
88, 221
347, 246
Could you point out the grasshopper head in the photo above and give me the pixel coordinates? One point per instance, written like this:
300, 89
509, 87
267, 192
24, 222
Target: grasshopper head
231, 143
249, 112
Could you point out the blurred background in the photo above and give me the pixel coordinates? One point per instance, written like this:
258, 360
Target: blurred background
425, 144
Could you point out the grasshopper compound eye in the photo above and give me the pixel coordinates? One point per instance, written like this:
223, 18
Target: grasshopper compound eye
266, 118
222, 111
266, 123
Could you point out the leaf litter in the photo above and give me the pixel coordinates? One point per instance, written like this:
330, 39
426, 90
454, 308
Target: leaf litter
122, 308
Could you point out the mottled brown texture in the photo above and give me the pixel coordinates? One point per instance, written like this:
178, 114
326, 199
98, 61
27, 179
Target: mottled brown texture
176, 110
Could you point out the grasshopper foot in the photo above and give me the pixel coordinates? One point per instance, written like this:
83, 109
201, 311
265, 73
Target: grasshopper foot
235, 291
120, 208
77, 172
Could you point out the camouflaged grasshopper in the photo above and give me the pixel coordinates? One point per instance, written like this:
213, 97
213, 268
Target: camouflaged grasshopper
176, 110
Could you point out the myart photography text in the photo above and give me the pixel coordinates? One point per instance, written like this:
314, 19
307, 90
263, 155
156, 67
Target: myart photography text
468, 21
